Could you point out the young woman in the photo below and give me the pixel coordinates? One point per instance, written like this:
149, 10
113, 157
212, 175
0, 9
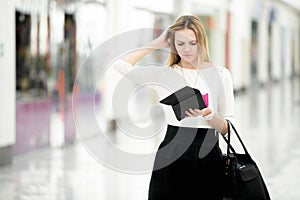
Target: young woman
186, 172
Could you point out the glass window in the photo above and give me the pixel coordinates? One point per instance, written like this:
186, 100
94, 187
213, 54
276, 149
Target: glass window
91, 23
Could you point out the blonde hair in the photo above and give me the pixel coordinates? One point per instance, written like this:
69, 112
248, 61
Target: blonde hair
188, 22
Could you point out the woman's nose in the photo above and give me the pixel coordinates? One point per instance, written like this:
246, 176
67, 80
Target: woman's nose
186, 48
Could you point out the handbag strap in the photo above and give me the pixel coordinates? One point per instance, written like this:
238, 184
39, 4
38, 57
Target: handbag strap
228, 140
229, 147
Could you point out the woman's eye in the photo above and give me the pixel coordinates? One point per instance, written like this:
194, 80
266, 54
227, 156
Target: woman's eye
193, 43
179, 44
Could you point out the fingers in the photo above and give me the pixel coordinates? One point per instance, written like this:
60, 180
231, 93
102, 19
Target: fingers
193, 112
197, 112
164, 35
206, 111
188, 114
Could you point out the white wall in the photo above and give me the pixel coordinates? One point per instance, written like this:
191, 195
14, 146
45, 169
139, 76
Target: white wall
290, 22
284, 28
296, 36
285, 32
7, 73
262, 61
276, 51
240, 43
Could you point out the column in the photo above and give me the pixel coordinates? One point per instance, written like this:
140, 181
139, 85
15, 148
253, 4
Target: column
262, 61
7, 80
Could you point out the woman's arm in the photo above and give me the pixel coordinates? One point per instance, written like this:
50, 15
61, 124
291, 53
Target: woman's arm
225, 106
145, 75
158, 43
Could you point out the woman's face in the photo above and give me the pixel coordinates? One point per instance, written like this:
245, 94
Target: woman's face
186, 45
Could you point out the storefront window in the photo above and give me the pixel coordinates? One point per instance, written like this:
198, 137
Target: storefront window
91, 26
32, 66
91, 32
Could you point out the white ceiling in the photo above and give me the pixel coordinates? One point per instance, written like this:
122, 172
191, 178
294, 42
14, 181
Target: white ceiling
293, 3
38, 5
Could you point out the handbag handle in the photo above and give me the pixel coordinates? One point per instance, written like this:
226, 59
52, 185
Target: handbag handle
229, 147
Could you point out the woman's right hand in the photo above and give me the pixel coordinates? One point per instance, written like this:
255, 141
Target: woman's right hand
159, 43
162, 41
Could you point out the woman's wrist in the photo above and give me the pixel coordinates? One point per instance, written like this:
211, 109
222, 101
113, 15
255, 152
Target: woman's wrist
156, 44
218, 123
138, 54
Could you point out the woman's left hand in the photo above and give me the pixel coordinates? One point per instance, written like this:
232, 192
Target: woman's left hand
215, 120
197, 112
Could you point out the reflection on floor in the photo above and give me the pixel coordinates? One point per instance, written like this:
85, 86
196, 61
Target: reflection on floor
267, 118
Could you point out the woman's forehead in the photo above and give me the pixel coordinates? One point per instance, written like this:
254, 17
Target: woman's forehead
185, 34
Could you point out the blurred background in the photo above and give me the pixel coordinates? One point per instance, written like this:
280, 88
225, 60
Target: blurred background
44, 43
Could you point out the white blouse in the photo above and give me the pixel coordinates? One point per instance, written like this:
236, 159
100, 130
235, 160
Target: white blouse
215, 81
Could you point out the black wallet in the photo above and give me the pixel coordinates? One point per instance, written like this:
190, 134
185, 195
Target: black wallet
183, 99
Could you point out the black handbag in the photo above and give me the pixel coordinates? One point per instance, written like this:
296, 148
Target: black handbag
242, 177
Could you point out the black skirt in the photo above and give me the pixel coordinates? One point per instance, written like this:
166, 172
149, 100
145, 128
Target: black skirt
179, 172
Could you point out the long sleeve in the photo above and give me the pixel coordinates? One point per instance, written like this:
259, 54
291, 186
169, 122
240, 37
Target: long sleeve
226, 97
137, 74
151, 75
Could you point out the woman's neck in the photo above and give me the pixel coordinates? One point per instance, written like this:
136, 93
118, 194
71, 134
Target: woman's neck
188, 65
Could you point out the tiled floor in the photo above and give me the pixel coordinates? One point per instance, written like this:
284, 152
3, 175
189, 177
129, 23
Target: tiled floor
268, 120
